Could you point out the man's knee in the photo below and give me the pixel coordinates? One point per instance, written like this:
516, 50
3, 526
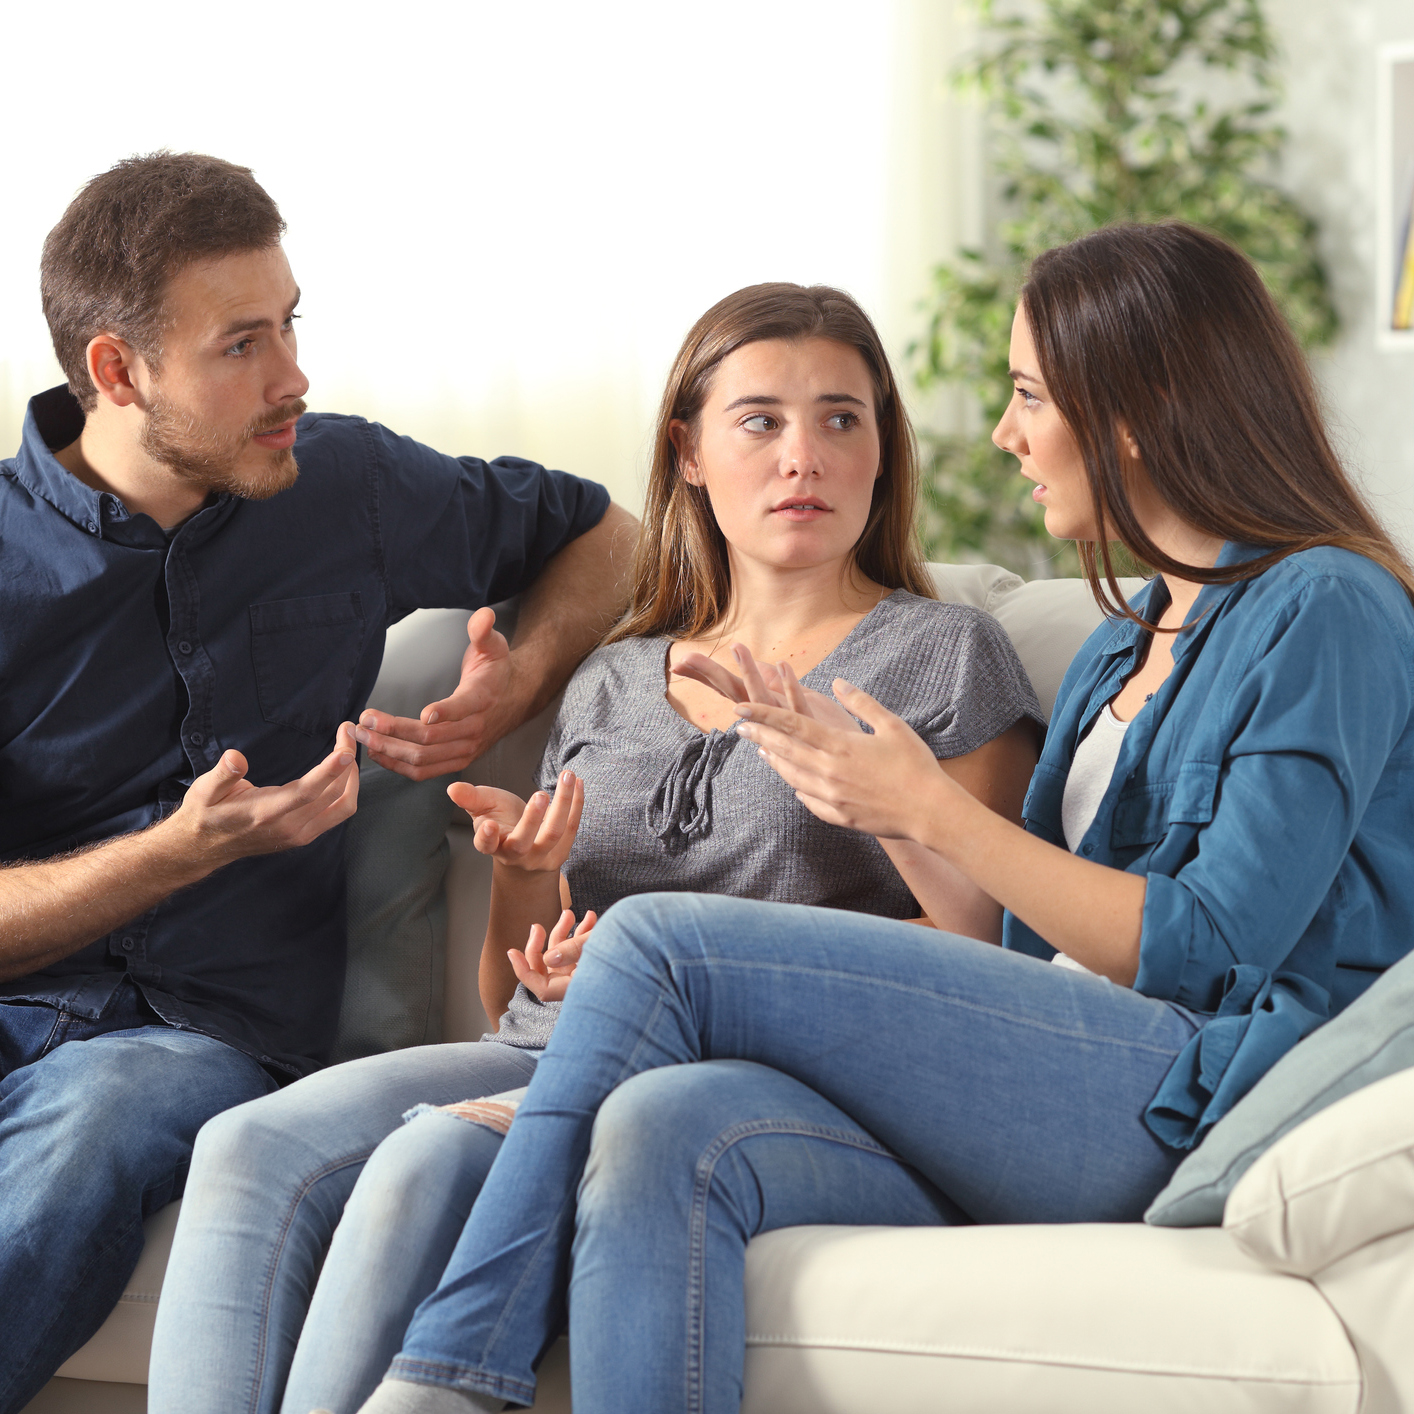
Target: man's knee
155, 1080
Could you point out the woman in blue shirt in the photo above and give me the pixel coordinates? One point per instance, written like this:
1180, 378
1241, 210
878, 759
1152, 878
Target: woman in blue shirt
1218, 841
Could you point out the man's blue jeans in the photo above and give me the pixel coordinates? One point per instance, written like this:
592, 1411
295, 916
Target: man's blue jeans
97, 1121
896, 1075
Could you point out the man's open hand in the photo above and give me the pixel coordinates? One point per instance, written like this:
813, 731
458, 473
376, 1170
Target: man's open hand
223, 817
450, 734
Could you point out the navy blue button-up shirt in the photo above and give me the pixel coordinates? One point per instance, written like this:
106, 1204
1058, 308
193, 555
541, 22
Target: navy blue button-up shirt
131, 660
1266, 794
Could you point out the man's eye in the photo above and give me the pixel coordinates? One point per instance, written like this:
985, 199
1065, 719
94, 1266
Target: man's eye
240, 348
842, 421
759, 422
290, 320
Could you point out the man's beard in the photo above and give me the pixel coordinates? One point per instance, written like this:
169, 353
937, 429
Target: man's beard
174, 438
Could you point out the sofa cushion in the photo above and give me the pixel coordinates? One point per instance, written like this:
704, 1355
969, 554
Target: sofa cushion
118, 1350
1047, 620
1083, 1317
1372, 1038
1339, 1182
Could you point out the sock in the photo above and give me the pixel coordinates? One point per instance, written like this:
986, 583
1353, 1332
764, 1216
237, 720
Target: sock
402, 1397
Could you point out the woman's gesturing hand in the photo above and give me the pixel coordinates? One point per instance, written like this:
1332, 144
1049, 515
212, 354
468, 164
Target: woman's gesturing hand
869, 783
534, 835
547, 964
771, 686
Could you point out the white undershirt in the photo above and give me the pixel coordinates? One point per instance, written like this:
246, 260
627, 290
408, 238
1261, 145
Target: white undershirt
1091, 771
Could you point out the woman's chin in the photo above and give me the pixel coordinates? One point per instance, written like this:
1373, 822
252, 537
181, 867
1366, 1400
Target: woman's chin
1060, 526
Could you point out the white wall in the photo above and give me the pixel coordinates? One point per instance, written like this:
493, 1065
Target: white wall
1330, 48
505, 217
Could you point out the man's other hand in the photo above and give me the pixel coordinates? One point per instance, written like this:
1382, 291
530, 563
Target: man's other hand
450, 734
226, 818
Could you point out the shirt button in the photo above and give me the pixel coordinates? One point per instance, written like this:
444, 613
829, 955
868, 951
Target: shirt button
184, 647
91, 525
1087, 849
196, 738
127, 945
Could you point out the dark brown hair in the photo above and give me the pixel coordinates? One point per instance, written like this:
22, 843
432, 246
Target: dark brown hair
681, 578
107, 264
1167, 332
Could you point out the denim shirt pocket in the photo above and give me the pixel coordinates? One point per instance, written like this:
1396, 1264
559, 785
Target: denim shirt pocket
305, 652
1145, 814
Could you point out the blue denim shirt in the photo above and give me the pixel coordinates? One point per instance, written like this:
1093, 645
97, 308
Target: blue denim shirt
1266, 794
130, 660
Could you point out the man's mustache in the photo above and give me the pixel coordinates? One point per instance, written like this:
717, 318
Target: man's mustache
278, 418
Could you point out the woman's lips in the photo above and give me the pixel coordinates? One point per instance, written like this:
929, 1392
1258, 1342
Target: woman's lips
278, 439
801, 512
1038, 492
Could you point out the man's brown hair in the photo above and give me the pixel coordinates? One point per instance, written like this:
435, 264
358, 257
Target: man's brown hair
681, 577
107, 264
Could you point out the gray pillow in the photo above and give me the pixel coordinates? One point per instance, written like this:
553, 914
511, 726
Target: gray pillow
397, 852
1372, 1038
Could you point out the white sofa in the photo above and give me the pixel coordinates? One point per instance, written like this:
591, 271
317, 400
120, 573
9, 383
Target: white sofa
1303, 1301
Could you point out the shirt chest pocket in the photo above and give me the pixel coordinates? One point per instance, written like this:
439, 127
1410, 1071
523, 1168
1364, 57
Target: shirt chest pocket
305, 652
1145, 814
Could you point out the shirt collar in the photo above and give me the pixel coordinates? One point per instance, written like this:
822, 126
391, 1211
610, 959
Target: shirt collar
1126, 634
55, 419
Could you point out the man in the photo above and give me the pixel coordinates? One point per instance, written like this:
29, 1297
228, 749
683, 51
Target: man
197, 581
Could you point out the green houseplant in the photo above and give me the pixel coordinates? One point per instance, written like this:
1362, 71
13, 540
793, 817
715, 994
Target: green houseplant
1099, 111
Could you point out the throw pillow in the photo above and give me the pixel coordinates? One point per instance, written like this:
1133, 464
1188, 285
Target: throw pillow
1339, 1183
1372, 1038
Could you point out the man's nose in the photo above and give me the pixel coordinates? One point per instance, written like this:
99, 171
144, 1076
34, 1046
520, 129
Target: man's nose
287, 381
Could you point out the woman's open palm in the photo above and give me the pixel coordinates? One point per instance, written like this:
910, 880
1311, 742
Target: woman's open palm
772, 685
533, 835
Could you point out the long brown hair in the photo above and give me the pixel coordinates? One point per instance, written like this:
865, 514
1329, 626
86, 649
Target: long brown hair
681, 576
1168, 332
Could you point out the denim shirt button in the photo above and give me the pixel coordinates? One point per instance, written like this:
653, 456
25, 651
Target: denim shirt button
1087, 849
127, 945
184, 647
91, 526
196, 738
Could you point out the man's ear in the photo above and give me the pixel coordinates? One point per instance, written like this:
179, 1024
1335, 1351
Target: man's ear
680, 435
113, 366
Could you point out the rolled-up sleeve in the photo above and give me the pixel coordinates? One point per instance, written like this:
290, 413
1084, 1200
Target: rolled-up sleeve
1313, 717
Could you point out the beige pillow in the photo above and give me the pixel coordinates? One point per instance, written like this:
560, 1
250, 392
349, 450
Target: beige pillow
1342, 1180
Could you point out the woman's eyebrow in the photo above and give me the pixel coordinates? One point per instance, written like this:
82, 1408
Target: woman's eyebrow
760, 399
764, 400
1017, 376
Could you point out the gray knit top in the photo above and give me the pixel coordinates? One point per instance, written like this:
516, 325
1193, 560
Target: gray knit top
668, 807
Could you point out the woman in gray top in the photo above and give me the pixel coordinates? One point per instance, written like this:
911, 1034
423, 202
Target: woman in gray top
778, 541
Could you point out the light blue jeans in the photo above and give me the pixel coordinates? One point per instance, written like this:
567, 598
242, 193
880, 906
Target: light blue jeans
321, 1174
97, 1120
896, 1075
